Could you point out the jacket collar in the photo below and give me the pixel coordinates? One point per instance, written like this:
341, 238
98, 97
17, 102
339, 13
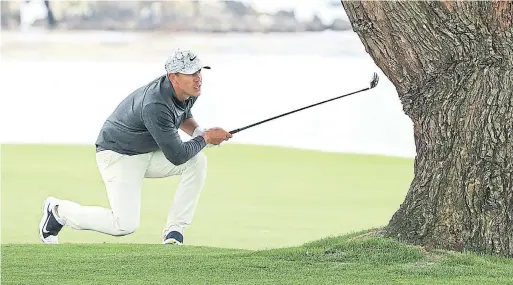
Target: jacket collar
167, 89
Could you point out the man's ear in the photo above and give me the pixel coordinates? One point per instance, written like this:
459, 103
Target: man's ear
172, 76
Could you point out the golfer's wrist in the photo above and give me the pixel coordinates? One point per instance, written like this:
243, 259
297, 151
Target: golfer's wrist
206, 137
198, 132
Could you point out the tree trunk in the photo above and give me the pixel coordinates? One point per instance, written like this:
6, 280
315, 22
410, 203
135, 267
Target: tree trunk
452, 65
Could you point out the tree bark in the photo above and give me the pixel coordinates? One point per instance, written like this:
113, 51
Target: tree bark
452, 66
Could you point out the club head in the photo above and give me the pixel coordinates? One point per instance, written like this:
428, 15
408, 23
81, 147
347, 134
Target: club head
375, 80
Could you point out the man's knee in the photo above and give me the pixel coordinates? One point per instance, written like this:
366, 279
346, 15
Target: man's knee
126, 226
198, 162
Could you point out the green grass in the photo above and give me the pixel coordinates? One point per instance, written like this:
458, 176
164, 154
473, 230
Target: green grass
266, 216
254, 198
342, 260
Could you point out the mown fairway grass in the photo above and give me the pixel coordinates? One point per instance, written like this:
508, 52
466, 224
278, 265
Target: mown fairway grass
342, 260
258, 209
255, 197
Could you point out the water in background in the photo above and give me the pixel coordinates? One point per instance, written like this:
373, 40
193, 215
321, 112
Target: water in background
253, 77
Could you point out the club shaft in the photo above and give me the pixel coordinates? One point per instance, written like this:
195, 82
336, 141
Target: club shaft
297, 110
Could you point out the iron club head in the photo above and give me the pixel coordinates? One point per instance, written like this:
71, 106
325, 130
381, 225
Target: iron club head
374, 81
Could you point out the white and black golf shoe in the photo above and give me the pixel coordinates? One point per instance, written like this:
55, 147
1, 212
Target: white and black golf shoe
173, 237
49, 227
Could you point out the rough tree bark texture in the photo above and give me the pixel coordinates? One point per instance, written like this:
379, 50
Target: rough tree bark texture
452, 66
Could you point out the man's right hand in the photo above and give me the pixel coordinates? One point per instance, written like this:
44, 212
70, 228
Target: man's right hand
216, 136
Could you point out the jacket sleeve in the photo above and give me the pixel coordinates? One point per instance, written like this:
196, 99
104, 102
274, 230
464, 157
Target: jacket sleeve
159, 122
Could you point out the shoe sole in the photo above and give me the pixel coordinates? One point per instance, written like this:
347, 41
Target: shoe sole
45, 217
172, 241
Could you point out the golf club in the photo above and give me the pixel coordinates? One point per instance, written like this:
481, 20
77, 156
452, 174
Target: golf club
373, 83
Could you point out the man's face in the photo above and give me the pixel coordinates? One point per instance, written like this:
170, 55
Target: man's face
190, 84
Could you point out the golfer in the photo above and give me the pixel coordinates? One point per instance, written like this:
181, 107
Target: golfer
140, 140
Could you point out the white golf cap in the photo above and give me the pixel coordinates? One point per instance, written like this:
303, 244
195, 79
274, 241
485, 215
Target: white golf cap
184, 61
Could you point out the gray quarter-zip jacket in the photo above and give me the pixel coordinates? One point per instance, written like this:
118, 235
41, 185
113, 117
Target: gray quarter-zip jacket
148, 120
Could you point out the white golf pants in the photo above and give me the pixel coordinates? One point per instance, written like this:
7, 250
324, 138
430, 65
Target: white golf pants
123, 177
